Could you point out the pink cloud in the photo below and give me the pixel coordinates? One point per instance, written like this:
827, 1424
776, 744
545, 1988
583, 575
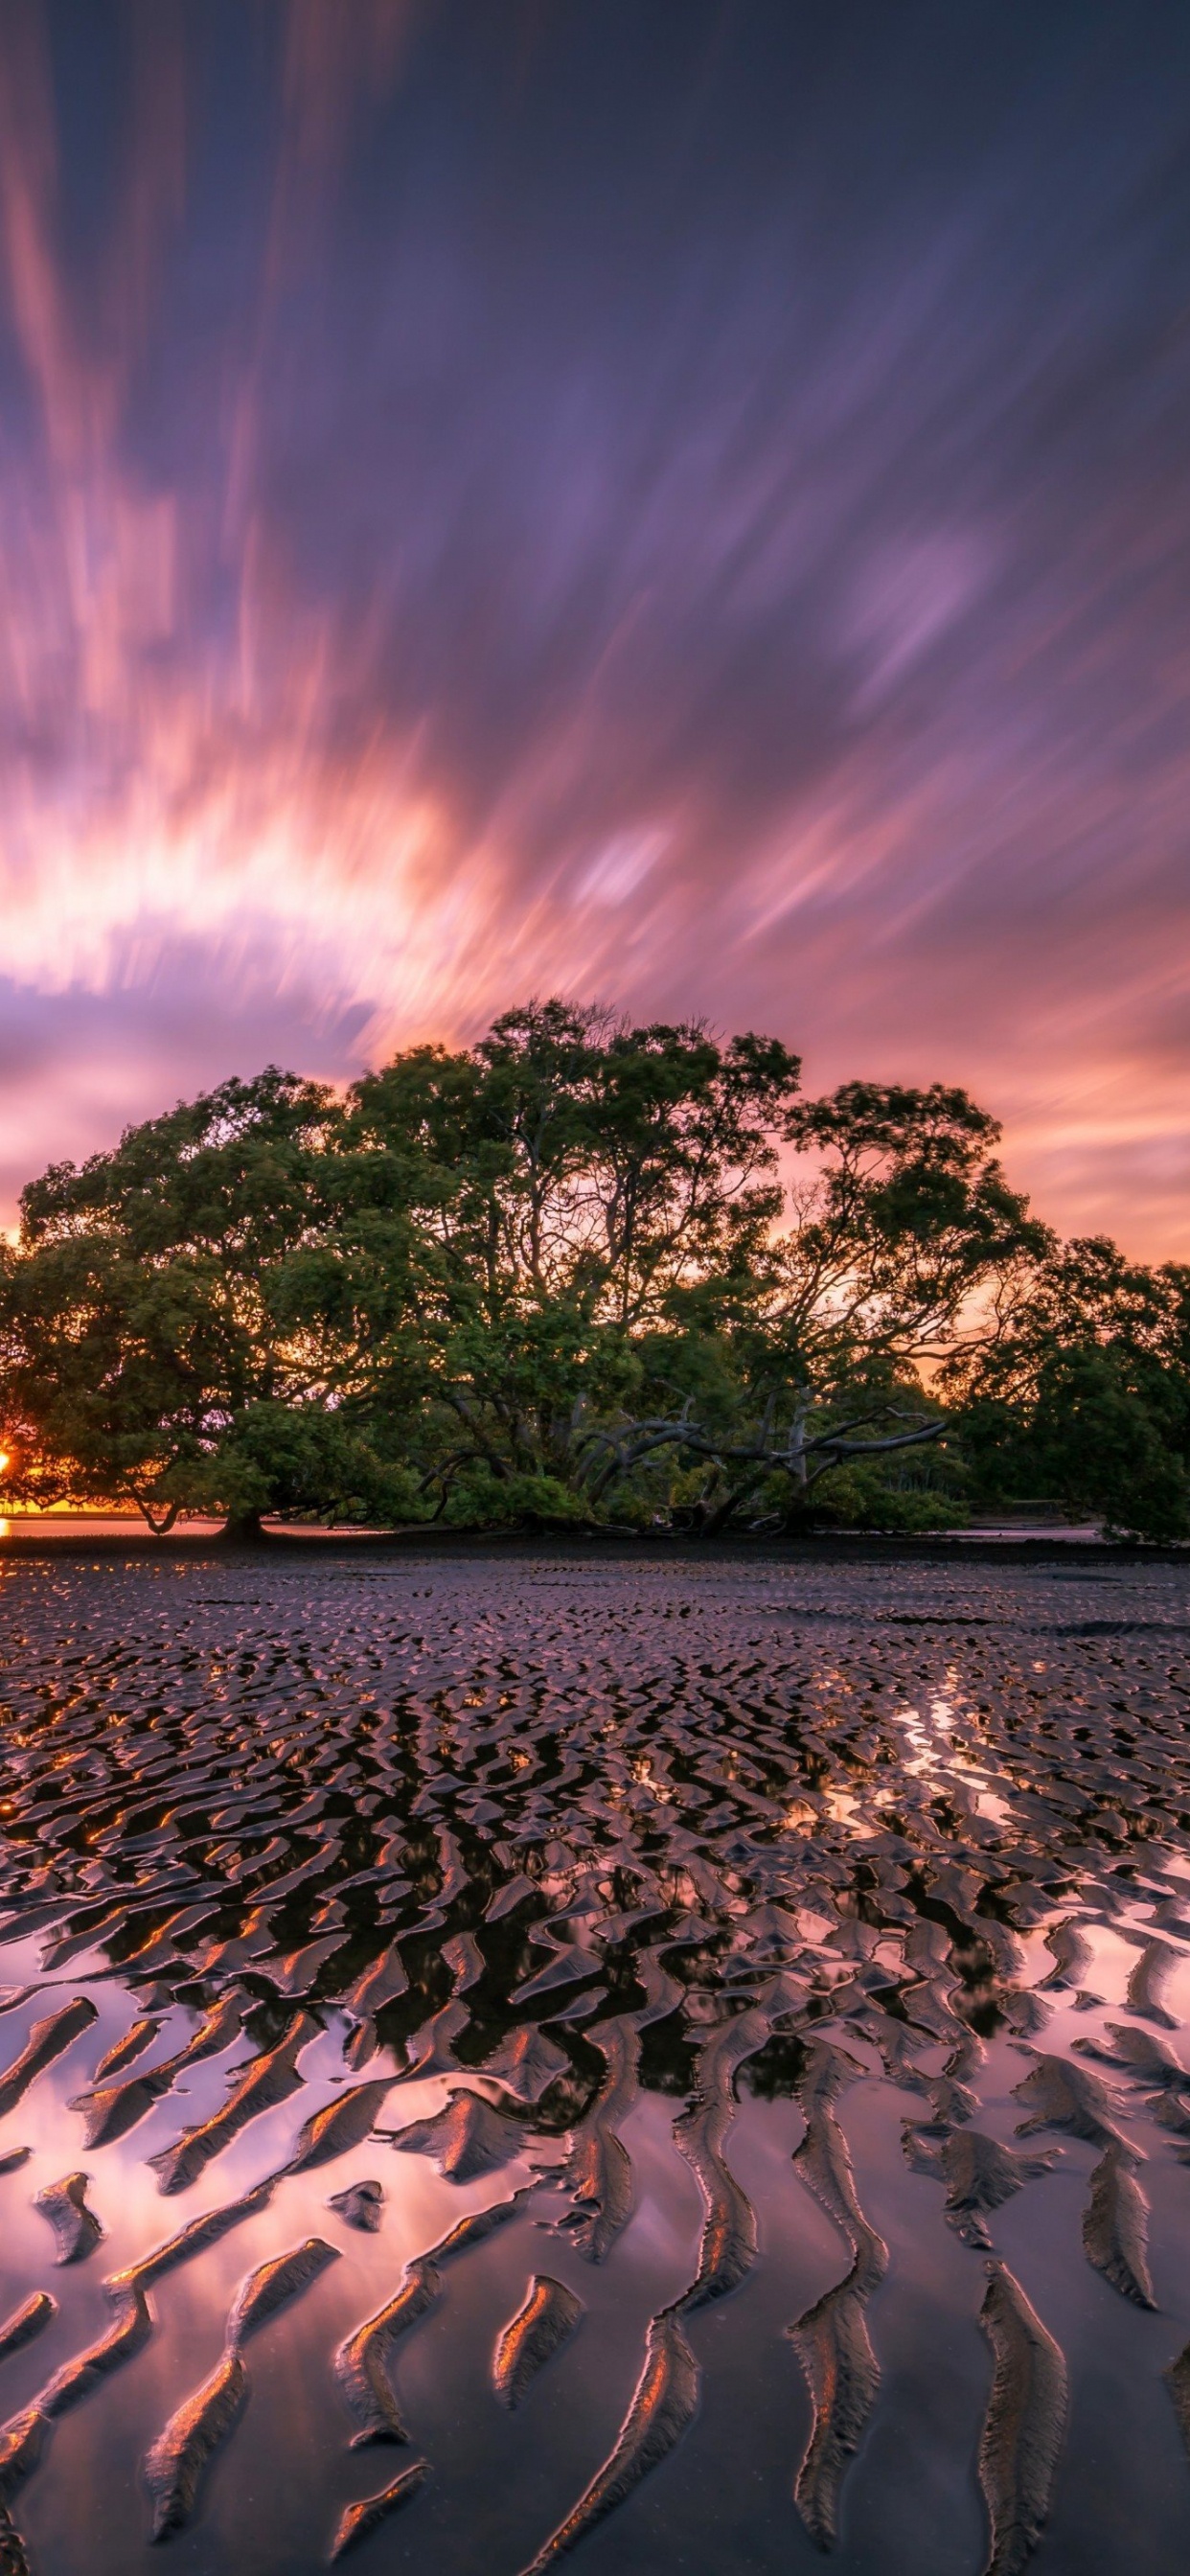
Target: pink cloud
460, 536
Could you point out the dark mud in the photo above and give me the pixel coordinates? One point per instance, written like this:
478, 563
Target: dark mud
693, 2055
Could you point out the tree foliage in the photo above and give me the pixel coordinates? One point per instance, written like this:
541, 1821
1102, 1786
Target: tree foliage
165, 1336
1085, 1391
583, 1270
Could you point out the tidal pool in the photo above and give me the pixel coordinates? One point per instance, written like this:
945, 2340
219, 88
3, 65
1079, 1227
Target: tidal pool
678, 2065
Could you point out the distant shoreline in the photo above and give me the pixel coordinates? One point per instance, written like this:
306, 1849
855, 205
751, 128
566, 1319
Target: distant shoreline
648, 1547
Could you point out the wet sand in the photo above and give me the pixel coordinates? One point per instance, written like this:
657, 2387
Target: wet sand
666, 2065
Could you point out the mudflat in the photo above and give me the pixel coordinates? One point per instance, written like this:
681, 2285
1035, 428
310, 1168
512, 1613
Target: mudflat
679, 2065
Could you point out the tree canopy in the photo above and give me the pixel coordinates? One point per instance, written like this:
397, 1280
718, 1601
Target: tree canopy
580, 1271
1085, 1392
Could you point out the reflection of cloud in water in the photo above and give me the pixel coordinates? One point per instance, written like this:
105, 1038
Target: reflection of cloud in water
784, 1866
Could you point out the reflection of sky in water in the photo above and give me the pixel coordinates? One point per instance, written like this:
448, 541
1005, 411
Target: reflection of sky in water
939, 1756
292, 2406
793, 1807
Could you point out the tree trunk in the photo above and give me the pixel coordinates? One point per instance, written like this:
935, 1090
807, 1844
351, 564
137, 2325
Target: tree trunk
242, 1529
717, 1515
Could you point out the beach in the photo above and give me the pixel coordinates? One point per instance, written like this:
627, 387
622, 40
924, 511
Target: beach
783, 1967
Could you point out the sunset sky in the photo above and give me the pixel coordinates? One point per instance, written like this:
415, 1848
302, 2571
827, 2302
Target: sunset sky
684, 502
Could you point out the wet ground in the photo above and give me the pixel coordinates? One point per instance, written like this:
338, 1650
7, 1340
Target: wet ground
679, 2064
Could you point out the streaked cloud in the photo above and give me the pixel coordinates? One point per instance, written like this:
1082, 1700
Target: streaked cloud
670, 505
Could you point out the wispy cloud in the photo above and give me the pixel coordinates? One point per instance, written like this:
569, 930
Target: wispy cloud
683, 510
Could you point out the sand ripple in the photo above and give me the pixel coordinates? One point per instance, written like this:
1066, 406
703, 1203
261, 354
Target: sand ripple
720, 1926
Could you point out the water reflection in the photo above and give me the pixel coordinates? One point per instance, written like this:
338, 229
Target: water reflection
938, 1754
657, 1995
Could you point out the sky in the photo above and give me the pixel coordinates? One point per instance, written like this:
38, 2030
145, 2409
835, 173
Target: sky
684, 503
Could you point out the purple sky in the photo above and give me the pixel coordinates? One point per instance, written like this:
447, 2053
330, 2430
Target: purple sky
685, 504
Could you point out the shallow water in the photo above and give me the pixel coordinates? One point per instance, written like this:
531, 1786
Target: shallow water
703, 1921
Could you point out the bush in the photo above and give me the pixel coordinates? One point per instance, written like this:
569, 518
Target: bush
860, 1498
480, 1500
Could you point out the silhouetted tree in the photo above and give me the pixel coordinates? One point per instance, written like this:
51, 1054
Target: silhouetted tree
1083, 1395
581, 1269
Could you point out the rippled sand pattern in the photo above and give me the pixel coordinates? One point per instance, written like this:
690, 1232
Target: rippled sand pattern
675, 2067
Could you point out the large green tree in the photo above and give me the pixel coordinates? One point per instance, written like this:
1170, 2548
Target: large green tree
167, 1332
617, 1318
570, 1179
582, 1268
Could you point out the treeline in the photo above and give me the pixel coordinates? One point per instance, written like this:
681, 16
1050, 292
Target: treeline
581, 1273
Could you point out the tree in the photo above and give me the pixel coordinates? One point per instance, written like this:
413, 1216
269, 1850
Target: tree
555, 1275
164, 1327
905, 1238
611, 1311
1084, 1396
571, 1177
572, 1154
908, 1238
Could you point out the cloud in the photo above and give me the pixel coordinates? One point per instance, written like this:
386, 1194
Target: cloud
906, 600
691, 511
77, 1065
